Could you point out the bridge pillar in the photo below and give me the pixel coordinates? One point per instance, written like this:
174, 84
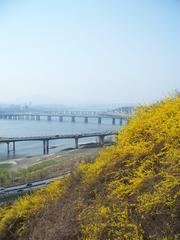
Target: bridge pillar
45, 146
99, 120
101, 140
86, 119
61, 118
73, 119
113, 121
49, 118
120, 121
76, 142
38, 117
8, 149
14, 147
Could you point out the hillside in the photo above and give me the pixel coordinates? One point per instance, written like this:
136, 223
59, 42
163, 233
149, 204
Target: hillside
130, 192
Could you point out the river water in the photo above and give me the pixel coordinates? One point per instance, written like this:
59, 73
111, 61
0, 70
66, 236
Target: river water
15, 128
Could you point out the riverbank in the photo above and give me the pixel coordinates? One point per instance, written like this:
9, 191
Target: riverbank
28, 161
17, 171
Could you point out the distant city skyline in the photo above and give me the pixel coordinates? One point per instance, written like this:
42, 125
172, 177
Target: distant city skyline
89, 52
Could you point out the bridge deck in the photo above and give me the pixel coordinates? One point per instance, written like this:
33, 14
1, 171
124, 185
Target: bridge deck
55, 137
72, 114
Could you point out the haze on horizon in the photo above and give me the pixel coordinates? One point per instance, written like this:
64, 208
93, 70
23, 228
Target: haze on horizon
89, 52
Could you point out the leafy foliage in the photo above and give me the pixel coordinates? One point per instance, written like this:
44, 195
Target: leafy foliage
21, 212
130, 192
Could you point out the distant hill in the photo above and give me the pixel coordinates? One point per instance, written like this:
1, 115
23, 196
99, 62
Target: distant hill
130, 192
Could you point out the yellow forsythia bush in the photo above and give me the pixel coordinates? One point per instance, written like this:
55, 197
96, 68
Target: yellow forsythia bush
137, 181
25, 208
130, 192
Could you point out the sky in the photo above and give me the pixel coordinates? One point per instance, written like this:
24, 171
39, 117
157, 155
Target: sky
89, 51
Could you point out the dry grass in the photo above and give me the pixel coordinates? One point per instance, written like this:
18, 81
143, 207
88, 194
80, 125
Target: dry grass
50, 167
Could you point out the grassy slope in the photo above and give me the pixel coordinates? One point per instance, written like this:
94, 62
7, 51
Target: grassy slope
47, 168
130, 192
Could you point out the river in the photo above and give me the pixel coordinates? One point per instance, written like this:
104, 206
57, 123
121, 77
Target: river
15, 128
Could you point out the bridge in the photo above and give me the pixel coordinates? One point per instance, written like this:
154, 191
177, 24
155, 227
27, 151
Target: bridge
121, 117
45, 139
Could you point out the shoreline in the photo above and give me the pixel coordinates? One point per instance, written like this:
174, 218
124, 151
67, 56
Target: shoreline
29, 161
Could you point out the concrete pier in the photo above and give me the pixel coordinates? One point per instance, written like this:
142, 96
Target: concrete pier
61, 118
101, 140
113, 121
86, 119
45, 146
49, 118
76, 142
8, 149
73, 119
14, 147
120, 121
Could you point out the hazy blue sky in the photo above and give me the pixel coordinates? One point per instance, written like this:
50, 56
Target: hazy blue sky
89, 51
